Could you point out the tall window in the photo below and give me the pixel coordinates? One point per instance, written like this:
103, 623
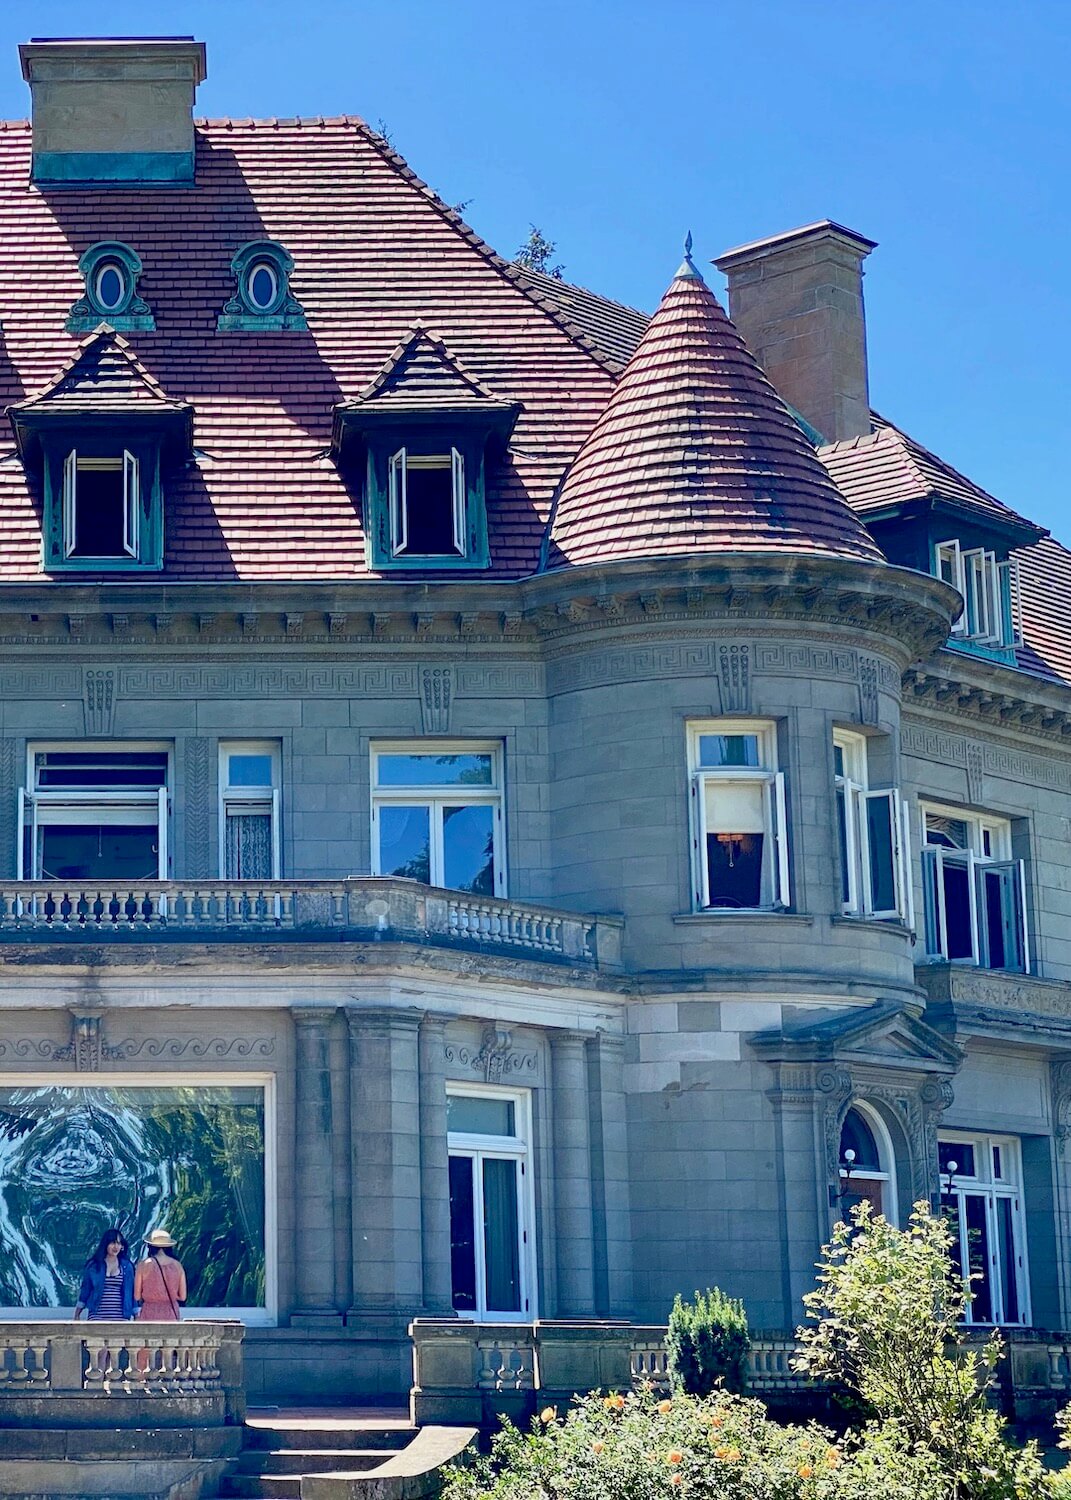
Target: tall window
867, 1167
975, 893
739, 837
981, 1195
872, 832
94, 812
249, 810
990, 592
427, 504
437, 815
490, 1202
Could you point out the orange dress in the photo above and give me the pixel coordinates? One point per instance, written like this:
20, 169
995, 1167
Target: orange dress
160, 1287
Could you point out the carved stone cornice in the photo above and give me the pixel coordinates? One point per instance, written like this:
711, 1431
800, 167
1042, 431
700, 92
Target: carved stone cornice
980, 692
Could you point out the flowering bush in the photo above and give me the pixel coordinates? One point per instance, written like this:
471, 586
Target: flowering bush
722, 1447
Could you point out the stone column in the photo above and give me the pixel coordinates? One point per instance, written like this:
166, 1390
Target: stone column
435, 1169
314, 1218
385, 1157
572, 1176
610, 1185
806, 1109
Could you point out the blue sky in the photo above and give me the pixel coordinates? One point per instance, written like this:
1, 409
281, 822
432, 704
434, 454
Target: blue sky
940, 129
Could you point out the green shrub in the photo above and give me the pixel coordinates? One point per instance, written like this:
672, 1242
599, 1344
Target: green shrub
707, 1344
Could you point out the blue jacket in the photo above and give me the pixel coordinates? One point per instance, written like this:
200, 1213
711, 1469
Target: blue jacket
92, 1288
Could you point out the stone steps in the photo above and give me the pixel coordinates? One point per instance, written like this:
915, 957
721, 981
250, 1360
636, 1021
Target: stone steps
307, 1460
277, 1452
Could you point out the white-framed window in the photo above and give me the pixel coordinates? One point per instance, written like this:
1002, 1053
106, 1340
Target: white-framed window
739, 824
990, 591
195, 1152
94, 812
873, 834
101, 505
492, 1250
437, 814
867, 1163
981, 1194
249, 810
427, 504
974, 891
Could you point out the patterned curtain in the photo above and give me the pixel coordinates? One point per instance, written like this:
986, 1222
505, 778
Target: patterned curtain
249, 846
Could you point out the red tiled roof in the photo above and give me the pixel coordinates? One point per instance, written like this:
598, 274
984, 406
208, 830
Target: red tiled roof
375, 251
612, 327
696, 452
886, 468
104, 374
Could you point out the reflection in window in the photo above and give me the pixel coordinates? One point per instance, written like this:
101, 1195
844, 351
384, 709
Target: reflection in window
437, 817
982, 1203
739, 825
74, 1160
975, 895
866, 1165
488, 1204
94, 814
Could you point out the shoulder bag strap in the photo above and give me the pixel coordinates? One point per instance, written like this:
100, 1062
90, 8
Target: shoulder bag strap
167, 1289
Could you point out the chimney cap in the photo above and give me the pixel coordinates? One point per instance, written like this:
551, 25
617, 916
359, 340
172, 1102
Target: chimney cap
820, 229
159, 47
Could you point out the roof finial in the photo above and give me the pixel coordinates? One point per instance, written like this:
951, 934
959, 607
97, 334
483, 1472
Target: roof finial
687, 269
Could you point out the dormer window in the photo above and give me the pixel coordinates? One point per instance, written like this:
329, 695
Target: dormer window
111, 272
990, 591
263, 302
427, 504
101, 505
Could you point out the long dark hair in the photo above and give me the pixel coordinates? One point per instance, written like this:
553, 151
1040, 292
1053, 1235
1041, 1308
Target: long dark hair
100, 1254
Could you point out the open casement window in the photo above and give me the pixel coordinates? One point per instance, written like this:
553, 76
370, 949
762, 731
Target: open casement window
990, 591
94, 815
437, 814
250, 842
975, 896
740, 829
102, 502
427, 504
491, 1249
873, 831
982, 1202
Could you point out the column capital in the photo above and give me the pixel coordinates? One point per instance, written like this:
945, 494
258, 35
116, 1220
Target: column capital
381, 1020
568, 1041
313, 1015
434, 1022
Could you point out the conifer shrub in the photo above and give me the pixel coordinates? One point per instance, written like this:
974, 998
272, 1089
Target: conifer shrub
707, 1343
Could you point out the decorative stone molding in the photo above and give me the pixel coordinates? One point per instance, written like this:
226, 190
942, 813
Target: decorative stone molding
436, 696
734, 678
197, 806
1060, 1086
196, 1046
868, 689
496, 1058
98, 700
262, 680
835, 1087
975, 760
85, 1049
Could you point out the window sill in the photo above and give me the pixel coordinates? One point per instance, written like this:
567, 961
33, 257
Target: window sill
748, 914
873, 924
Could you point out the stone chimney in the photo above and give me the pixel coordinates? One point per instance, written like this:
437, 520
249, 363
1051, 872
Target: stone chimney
797, 300
113, 109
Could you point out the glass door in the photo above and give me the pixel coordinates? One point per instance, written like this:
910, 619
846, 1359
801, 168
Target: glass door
983, 1206
490, 1196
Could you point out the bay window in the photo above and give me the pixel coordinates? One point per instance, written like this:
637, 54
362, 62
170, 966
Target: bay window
981, 1196
437, 814
873, 837
490, 1202
739, 825
92, 812
975, 892
249, 810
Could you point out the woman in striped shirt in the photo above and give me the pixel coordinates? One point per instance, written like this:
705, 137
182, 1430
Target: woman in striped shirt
107, 1291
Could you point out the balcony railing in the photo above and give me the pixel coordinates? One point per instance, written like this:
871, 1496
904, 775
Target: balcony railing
364, 908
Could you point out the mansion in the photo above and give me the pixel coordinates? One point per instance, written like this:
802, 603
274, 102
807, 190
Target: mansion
510, 809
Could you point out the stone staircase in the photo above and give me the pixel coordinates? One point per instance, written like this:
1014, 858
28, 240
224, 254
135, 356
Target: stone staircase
285, 1457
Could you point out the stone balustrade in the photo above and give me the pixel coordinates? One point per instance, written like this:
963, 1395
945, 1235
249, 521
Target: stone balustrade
366, 908
121, 1374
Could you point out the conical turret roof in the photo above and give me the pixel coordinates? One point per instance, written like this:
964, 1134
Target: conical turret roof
696, 453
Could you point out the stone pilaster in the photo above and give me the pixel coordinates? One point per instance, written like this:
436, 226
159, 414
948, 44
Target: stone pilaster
385, 1158
314, 1218
435, 1168
803, 1110
572, 1175
610, 1182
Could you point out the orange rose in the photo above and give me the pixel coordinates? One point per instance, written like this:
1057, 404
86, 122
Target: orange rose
548, 1414
722, 1452
614, 1402
598, 1445
832, 1459
664, 1406
675, 1457
716, 1419
805, 1471
674, 1479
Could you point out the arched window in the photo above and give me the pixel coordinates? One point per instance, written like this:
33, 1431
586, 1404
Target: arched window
866, 1165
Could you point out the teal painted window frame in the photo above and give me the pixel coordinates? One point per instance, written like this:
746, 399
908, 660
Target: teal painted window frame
132, 315
100, 441
241, 314
424, 441
998, 651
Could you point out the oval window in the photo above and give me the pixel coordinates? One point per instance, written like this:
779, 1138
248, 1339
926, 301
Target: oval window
110, 285
263, 285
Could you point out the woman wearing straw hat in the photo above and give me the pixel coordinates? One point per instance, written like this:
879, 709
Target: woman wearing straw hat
160, 1281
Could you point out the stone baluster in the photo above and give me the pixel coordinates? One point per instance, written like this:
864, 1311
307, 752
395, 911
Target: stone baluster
435, 1168
572, 1175
385, 1161
314, 1215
